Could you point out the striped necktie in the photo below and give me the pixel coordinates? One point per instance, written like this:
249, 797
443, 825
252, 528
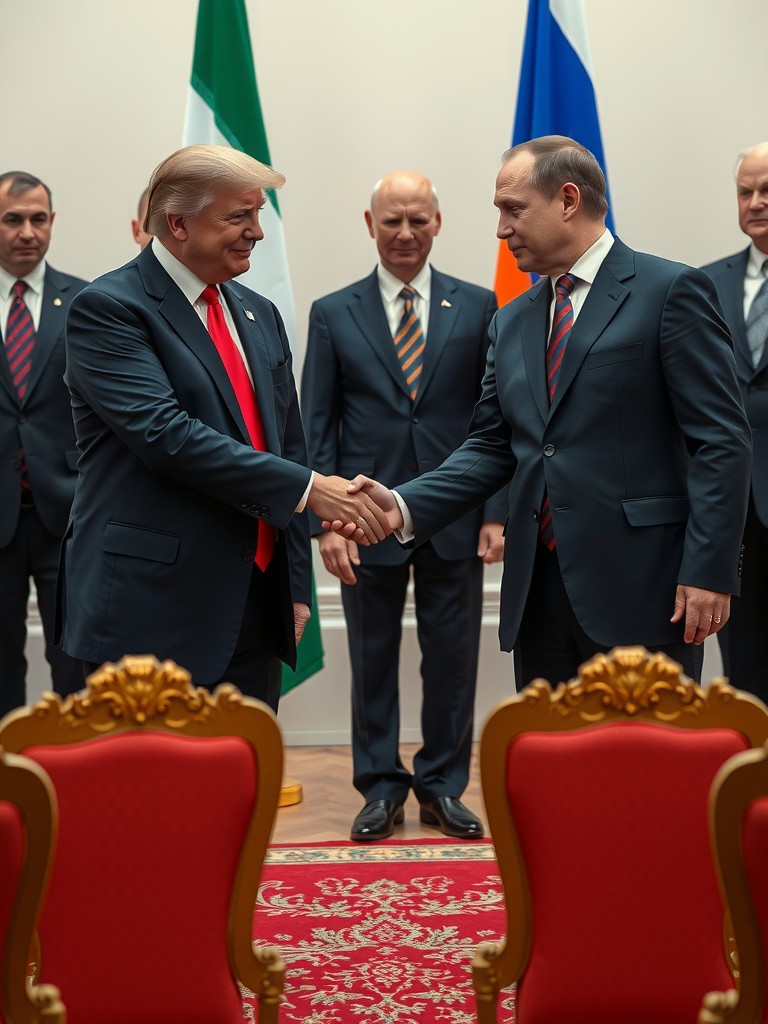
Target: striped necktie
246, 398
757, 320
562, 323
409, 342
19, 346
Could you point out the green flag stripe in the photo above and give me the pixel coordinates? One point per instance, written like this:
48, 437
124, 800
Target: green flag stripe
224, 75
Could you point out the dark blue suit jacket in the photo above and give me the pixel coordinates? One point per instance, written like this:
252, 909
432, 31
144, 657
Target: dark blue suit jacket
357, 411
158, 556
645, 451
41, 424
728, 275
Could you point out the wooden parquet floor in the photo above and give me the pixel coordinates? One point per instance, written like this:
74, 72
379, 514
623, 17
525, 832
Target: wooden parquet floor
331, 802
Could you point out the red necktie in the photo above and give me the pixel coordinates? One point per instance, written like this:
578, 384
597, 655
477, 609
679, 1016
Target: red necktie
19, 343
241, 383
558, 339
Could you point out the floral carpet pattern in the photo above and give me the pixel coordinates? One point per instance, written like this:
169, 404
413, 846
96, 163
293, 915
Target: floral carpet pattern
381, 934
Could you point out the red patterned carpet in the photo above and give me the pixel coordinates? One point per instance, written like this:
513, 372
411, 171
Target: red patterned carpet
380, 934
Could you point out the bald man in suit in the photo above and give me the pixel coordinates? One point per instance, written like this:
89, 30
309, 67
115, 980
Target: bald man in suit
742, 284
39, 456
392, 373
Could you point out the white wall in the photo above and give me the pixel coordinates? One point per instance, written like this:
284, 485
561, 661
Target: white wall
94, 95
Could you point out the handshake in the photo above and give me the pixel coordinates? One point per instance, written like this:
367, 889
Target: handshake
361, 510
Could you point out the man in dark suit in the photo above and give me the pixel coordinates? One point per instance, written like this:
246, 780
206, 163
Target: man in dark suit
37, 465
742, 284
390, 380
184, 539
611, 403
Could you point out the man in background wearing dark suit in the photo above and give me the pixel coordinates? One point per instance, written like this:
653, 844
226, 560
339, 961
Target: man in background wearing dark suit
742, 284
185, 539
610, 402
390, 379
37, 462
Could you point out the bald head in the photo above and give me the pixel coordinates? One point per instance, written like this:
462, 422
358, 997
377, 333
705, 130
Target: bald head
752, 194
403, 220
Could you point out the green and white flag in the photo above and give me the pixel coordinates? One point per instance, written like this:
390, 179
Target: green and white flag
223, 108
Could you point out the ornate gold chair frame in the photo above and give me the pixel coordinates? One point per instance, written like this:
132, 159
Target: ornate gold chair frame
741, 781
626, 684
140, 693
25, 785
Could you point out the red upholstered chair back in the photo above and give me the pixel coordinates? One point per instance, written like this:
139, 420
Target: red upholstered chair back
167, 797
739, 831
27, 837
596, 796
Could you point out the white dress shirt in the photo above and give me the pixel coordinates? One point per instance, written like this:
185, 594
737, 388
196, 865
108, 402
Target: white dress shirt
33, 296
390, 288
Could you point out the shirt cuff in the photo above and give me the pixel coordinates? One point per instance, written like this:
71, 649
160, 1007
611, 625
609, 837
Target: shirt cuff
305, 496
404, 535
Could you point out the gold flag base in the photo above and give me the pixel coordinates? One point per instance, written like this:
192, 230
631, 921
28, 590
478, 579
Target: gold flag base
291, 792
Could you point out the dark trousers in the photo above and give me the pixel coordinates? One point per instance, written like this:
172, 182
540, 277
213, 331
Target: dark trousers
254, 667
448, 597
552, 645
744, 638
33, 553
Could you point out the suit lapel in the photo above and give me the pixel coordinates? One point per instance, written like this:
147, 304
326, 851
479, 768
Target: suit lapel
533, 327
730, 288
53, 316
367, 310
181, 317
605, 298
444, 310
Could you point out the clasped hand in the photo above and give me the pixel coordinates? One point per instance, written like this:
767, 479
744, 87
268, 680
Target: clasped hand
361, 510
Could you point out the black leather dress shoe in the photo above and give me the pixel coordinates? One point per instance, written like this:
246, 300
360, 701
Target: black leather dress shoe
377, 820
453, 819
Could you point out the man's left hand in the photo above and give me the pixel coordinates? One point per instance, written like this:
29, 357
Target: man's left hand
301, 614
490, 543
705, 612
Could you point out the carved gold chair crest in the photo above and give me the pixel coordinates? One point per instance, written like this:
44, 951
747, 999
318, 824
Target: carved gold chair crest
596, 795
167, 797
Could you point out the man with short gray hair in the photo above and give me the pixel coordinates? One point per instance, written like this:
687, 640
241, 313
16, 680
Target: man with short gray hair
742, 284
185, 539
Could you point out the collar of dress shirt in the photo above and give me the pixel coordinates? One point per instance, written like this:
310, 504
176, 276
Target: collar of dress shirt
755, 261
189, 283
35, 280
391, 286
585, 271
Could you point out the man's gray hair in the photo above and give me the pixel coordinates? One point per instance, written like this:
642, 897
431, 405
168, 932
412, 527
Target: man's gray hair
21, 182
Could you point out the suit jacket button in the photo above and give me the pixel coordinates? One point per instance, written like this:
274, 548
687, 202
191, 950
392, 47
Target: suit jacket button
249, 554
413, 467
414, 419
535, 515
549, 450
15, 463
264, 512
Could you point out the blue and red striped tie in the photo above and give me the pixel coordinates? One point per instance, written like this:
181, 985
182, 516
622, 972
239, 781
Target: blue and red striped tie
558, 339
19, 345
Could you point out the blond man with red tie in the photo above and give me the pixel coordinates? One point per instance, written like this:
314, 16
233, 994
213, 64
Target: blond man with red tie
37, 440
187, 537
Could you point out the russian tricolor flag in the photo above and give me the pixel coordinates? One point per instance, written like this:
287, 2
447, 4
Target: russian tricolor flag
556, 96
